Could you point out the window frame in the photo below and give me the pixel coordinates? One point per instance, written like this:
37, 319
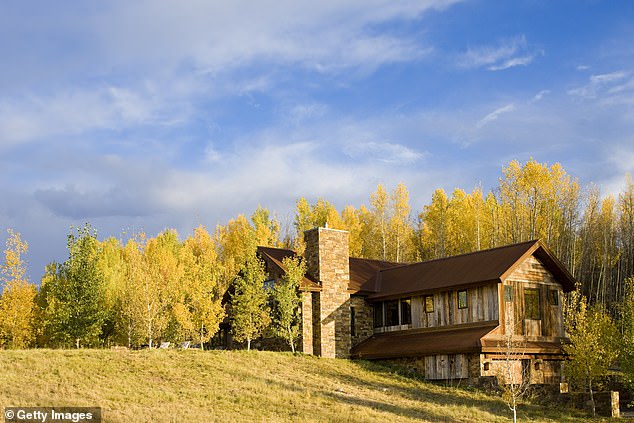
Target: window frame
378, 312
428, 303
462, 306
535, 312
553, 297
405, 314
508, 293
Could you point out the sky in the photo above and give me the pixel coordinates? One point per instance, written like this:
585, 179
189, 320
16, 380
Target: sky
146, 115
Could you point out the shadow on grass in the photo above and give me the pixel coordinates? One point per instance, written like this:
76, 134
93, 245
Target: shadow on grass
396, 379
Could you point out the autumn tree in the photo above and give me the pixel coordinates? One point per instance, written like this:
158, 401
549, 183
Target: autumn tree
379, 201
512, 375
400, 227
434, 223
266, 228
249, 302
17, 302
626, 314
159, 283
201, 309
593, 344
286, 301
133, 296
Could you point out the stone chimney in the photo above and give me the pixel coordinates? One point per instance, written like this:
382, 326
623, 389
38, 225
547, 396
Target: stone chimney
327, 258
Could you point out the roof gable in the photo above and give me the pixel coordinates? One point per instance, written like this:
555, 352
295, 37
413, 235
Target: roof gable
275, 257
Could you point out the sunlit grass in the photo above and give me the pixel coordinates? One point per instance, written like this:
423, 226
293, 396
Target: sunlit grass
228, 386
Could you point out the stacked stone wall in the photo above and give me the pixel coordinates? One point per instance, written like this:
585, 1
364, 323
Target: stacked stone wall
328, 261
363, 316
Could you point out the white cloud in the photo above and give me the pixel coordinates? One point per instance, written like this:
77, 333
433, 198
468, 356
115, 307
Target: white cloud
74, 112
494, 115
506, 54
540, 95
382, 151
597, 84
222, 35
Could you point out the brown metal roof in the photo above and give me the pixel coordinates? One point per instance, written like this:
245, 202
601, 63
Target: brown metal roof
421, 342
363, 273
467, 269
275, 256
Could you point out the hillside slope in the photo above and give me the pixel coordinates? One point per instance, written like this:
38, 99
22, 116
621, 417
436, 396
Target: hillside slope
228, 386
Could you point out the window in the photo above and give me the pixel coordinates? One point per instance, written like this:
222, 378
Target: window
406, 311
553, 297
391, 313
531, 303
508, 293
462, 299
429, 303
269, 284
378, 315
353, 323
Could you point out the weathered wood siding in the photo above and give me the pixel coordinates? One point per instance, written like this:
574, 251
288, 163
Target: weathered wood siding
482, 305
446, 366
533, 274
443, 366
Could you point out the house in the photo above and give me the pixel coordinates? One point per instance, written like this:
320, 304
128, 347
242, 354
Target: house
446, 318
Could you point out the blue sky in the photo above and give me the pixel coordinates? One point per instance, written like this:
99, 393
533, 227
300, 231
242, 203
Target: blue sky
152, 114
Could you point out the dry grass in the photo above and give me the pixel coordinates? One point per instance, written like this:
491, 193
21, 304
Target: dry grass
228, 386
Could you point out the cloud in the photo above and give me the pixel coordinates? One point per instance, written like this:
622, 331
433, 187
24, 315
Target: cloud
494, 115
506, 54
74, 112
384, 152
597, 84
71, 203
328, 36
540, 95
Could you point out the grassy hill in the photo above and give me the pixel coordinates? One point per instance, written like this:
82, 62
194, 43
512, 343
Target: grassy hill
228, 386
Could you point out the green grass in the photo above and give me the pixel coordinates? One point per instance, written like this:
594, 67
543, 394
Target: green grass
229, 386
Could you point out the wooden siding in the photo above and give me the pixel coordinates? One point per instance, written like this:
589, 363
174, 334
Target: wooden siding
446, 366
532, 274
482, 306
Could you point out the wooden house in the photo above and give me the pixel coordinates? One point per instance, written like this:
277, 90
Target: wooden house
447, 318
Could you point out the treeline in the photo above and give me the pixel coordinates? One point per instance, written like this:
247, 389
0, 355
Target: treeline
139, 291
144, 289
592, 235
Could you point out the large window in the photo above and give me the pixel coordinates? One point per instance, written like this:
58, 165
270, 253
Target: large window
378, 315
531, 304
393, 313
406, 311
